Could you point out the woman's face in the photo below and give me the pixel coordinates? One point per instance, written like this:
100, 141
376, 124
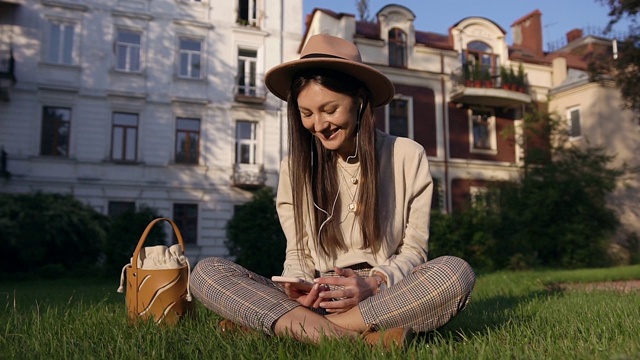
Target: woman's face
330, 116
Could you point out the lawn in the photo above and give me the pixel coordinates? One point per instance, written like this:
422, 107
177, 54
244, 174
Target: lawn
518, 315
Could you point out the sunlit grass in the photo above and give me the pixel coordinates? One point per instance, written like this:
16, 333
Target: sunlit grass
511, 316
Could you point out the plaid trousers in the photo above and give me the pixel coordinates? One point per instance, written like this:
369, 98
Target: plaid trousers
426, 299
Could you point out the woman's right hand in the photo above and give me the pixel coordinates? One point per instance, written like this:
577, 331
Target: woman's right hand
310, 299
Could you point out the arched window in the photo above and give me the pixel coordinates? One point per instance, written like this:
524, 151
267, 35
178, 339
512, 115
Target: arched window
397, 48
481, 53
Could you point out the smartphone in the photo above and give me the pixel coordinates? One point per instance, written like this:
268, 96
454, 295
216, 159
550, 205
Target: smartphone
300, 284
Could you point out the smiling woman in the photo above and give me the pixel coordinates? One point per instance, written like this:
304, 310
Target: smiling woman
354, 204
329, 116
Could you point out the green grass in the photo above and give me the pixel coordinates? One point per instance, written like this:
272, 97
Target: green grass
511, 316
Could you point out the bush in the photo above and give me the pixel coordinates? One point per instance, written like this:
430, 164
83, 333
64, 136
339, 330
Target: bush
49, 234
555, 216
466, 234
255, 237
123, 235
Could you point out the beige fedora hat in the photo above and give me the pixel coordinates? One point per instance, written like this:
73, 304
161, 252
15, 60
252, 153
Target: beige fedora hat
329, 52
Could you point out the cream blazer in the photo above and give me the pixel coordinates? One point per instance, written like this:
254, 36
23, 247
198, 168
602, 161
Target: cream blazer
405, 191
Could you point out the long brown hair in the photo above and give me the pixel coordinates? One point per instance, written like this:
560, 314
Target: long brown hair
313, 169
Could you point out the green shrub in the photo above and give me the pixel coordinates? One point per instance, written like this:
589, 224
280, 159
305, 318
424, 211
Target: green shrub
49, 234
465, 234
556, 215
255, 237
124, 232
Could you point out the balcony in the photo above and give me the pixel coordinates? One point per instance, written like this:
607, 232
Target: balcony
7, 74
250, 89
249, 176
490, 86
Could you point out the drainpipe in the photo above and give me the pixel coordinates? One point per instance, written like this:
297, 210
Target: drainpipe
279, 111
445, 136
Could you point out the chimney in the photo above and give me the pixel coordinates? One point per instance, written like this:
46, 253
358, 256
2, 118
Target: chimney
559, 67
573, 35
527, 33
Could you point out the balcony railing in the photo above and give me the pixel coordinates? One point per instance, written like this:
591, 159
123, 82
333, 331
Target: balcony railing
490, 85
250, 89
491, 77
249, 176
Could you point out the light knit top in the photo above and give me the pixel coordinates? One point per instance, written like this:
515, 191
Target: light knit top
405, 190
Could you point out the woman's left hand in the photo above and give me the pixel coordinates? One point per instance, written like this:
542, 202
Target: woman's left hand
355, 289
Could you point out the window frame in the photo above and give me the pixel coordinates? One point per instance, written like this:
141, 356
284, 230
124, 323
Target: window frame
570, 111
253, 143
476, 192
410, 118
124, 138
61, 55
53, 151
249, 72
437, 198
116, 208
128, 48
251, 18
187, 224
492, 149
179, 131
489, 60
397, 47
189, 54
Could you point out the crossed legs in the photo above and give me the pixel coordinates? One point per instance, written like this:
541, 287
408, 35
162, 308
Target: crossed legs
426, 299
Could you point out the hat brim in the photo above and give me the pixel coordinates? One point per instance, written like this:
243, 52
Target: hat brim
278, 79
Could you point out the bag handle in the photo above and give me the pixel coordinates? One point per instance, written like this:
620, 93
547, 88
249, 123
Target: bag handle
143, 238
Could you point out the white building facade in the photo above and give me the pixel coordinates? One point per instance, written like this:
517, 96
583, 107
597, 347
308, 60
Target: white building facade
146, 102
162, 102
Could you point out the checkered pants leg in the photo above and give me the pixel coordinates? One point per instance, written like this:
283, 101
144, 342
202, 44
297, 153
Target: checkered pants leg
426, 299
239, 295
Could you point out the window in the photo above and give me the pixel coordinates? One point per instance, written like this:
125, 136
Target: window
187, 140
128, 51
124, 143
483, 136
478, 196
247, 11
247, 72
397, 48
56, 124
399, 120
575, 123
60, 43
480, 61
186, 218
399, 117
437, 199
117, 208
246, 142
190, 58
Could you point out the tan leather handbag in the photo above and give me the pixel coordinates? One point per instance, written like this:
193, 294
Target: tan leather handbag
158, 281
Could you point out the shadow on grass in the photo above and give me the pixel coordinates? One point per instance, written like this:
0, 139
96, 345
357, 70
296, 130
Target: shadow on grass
481, 316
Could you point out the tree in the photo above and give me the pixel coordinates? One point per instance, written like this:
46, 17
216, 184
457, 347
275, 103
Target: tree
625, 70
363, 9
556, 215
255, 237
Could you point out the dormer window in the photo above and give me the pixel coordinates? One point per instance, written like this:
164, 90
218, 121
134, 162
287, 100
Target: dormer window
397, 48
480, 53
